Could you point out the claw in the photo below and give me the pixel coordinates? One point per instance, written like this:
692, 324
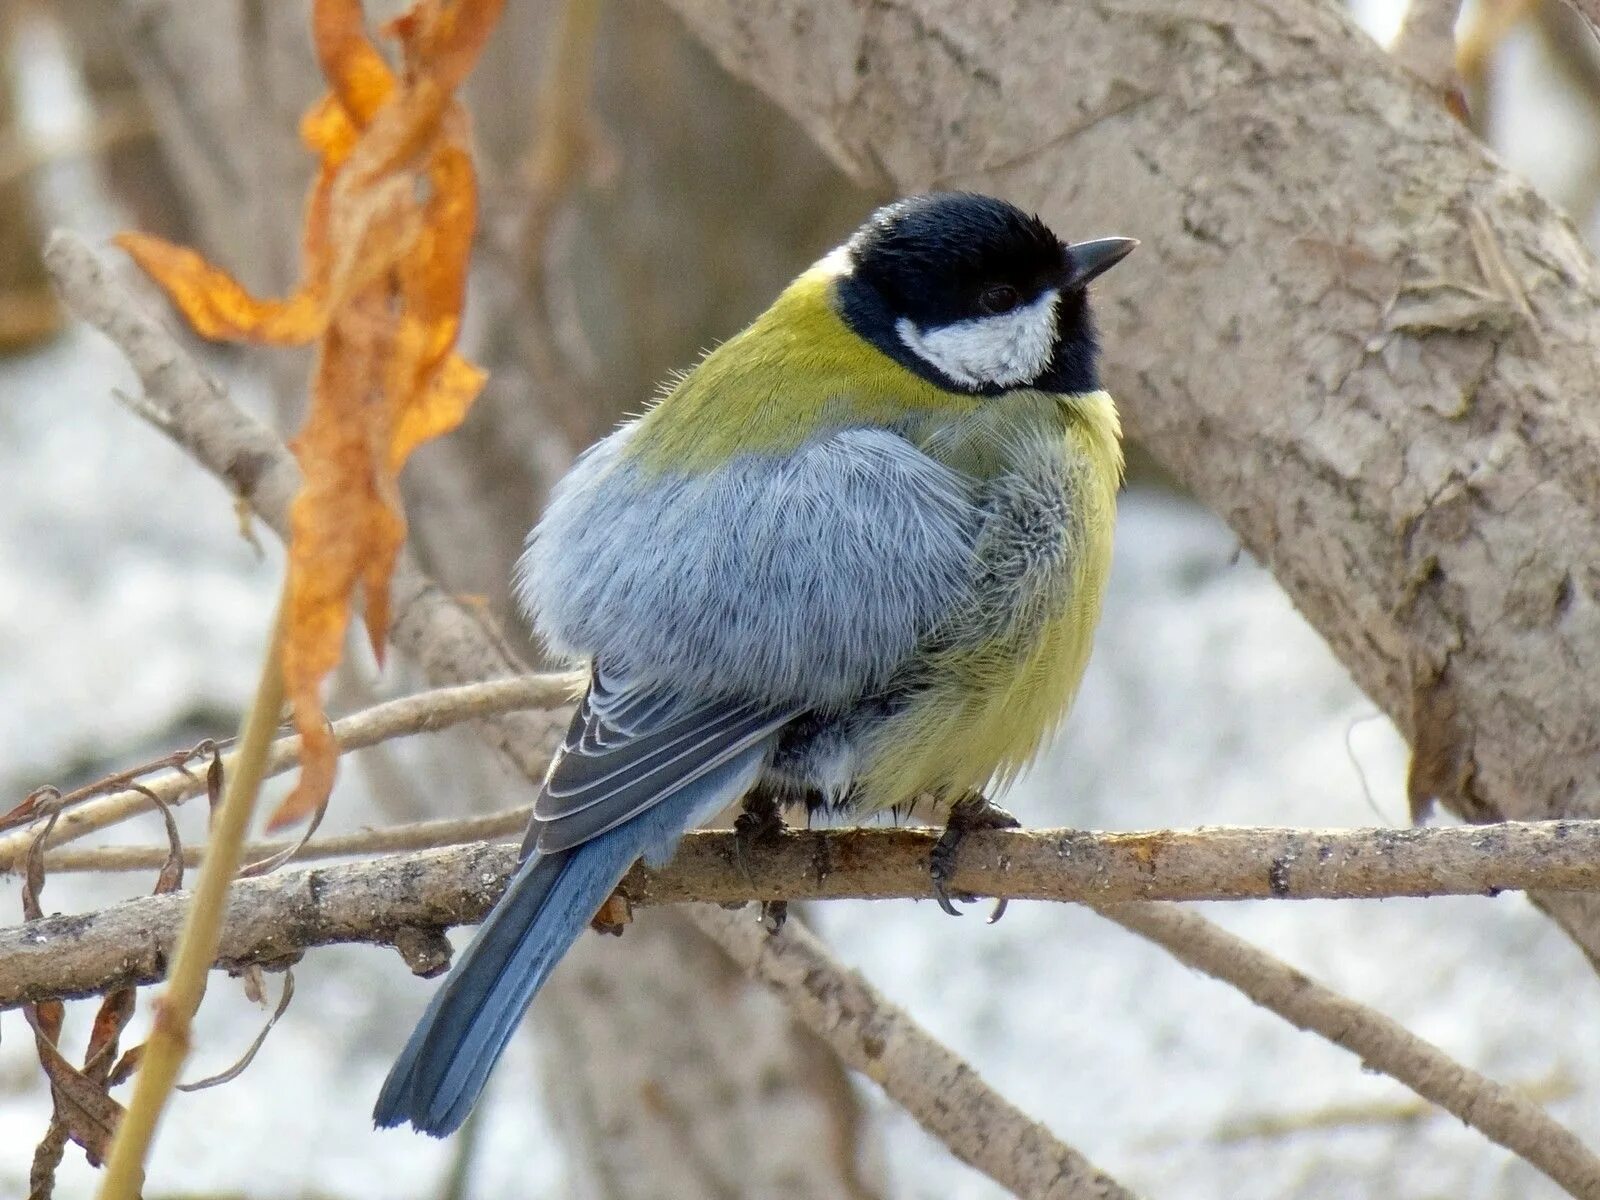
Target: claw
774, 913
969, 813
759, 821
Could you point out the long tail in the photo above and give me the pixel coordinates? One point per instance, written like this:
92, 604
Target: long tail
443, 1068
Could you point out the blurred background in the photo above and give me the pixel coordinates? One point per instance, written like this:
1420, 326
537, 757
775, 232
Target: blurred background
618, 240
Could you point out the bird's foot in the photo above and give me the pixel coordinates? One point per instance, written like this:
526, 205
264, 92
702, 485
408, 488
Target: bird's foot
972, 811
761, 821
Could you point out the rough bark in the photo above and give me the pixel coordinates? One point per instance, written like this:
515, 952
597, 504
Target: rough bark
1349, 331
279, 916
879, 1039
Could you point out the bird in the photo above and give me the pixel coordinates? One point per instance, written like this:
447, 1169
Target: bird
853, 558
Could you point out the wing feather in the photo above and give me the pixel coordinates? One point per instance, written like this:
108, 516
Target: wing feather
629, 747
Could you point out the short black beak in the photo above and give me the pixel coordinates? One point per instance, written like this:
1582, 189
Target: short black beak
1092, 259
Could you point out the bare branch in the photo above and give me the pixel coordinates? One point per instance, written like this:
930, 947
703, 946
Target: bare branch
417, 835
275, 919
1496, 1111
1233, 863
280, 916
452, 641
879, 1039
426, 712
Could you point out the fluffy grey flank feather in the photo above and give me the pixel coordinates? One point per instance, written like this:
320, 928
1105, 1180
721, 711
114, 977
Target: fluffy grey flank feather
805, 579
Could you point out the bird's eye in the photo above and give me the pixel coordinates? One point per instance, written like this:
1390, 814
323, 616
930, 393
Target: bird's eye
998, 298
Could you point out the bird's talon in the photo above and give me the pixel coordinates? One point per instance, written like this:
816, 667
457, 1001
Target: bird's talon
968, 813
774, 913
759, 822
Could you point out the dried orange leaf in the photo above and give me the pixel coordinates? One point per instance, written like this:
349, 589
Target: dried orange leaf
361, 80
446, 38
109, 1021
216, 305
83, 1107
442, 405
388, 229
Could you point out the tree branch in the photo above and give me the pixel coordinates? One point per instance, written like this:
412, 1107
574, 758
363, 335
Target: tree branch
406, 900
282, 915
1496, 1111
879, 1039
396, 839
425, 712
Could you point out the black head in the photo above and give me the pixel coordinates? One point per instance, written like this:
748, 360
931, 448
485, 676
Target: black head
975, 295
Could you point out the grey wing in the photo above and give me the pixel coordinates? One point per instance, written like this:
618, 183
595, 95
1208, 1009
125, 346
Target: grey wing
632, 745
803, 578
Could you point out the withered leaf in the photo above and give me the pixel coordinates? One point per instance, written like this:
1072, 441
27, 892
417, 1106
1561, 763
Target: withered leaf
249, 1055
82, 1106
109, 1022
386, 238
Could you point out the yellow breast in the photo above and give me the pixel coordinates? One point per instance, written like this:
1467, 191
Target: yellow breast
992, 697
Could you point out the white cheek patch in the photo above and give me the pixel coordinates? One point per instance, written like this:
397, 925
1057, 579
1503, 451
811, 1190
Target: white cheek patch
1004, 349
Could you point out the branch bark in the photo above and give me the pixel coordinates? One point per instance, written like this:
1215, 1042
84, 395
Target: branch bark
1040, 864
1351, 332
407, 900
282, 915
1497, 1111
879, 1039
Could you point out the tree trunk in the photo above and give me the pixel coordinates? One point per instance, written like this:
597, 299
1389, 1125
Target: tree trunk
1349, 331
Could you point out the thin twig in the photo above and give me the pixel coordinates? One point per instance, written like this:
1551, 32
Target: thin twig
280, 916
425, 712
168, 1044
417, 835
1496, 1111
879, 1039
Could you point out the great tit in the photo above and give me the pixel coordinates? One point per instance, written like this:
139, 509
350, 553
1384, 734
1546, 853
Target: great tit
853, 558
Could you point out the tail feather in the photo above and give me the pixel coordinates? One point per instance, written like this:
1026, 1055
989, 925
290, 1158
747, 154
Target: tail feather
446, 1063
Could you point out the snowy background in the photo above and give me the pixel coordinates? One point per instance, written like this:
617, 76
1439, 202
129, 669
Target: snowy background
131, 618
